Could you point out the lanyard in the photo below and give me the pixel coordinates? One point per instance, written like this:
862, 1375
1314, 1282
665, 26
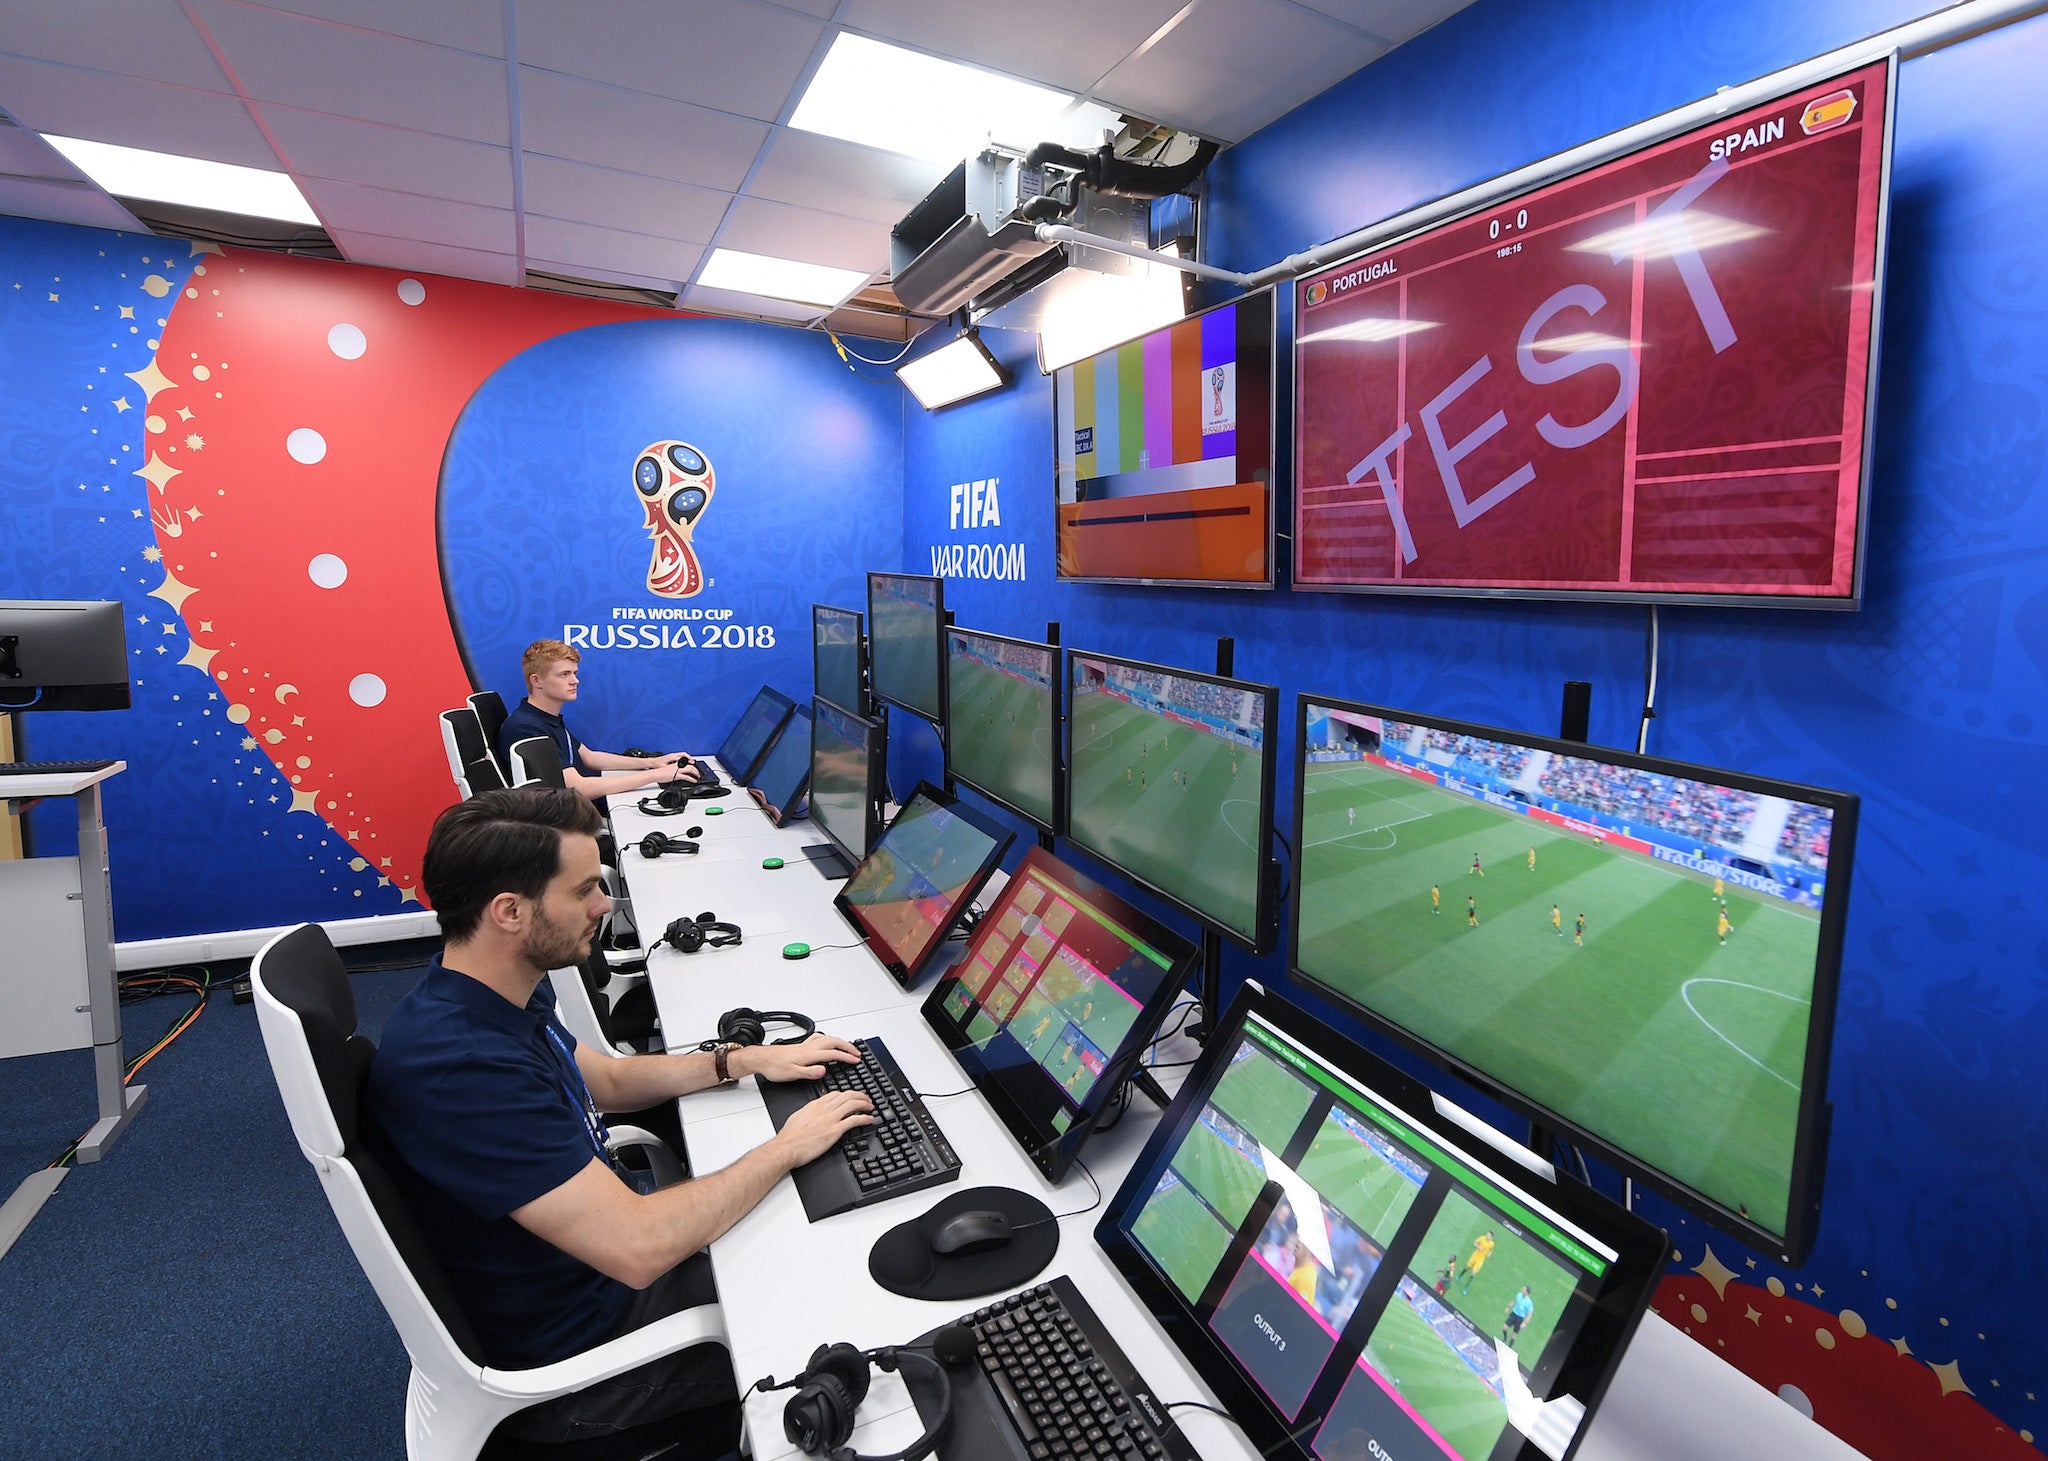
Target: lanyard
579, 1094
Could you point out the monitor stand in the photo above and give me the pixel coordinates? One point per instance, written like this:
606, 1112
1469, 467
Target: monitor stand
1148, 1085
829, 861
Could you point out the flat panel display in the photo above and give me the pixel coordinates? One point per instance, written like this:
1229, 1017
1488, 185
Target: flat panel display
1650, 379
1163, 453
905, 648
838, 657
784, 774
846, 777
1169, 780
1003, 721
1062, 990
1359, 1278
748, 739
63, 654
919, 878
1643, 953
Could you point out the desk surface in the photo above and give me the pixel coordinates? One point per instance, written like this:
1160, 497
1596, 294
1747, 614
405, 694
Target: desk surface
60, 783
790, 1285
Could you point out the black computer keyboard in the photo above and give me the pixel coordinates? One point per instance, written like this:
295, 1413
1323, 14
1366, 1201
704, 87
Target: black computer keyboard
904, 1151
1062, 1385
50, 768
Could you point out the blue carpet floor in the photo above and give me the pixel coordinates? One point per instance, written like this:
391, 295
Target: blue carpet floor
191, 1295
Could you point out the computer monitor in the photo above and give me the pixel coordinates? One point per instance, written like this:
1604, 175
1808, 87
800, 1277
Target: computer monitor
1003, 722
906, 652
1060, 993
784, 774
838, 657
848, 781
919, 878
62, 654
1169, 781
748, 740
1639, 955
1355, 1273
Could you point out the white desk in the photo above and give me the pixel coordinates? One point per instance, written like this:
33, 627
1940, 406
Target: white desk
790, 1285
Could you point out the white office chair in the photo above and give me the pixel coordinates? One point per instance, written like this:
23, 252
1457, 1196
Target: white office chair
454, 1401
469, 755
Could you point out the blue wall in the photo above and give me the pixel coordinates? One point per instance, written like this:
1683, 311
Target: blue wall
1931, 703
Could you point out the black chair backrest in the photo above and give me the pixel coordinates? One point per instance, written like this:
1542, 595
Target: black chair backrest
306, 975
470, 744
489, 706
537, 754
483, 774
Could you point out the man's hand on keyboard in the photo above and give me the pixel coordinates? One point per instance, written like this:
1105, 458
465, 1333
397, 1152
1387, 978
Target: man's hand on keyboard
801, 1062
816, 1128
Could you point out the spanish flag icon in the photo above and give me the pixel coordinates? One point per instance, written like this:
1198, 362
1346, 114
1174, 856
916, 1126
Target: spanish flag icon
1825, 113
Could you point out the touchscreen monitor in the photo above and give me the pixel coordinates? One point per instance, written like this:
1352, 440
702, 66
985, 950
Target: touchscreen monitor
919, 877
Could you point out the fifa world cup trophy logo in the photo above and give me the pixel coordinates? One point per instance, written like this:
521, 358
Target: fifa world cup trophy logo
1216, 380
675, 484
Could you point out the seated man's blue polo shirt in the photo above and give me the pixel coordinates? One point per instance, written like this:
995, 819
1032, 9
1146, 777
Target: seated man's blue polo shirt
478, 1112
526, 720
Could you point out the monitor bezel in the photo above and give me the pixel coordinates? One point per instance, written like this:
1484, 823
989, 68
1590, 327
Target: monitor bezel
1054, 1153
1643, 1249
1054, 737
741, 775
78, 655
1809, 1158
860, 652
1000, 838
782, 811
1265, 912
936, 715
876, 749
1271, 582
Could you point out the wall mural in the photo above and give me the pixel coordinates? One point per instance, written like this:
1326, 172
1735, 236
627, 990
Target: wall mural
260, 455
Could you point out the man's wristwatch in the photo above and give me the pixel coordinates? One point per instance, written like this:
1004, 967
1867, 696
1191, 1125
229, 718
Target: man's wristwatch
719, 1056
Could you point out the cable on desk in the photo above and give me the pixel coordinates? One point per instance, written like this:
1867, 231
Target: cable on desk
1077, 1212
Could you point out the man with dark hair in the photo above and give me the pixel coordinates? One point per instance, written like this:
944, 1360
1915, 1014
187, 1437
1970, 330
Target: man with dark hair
552, 680
486, 1110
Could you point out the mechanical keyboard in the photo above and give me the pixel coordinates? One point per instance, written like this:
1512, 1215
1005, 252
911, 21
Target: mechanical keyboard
904, 1151
1054, 1386
50, 768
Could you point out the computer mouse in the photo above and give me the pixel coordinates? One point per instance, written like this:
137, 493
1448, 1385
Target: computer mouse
796, 951
771, 862
971, 1232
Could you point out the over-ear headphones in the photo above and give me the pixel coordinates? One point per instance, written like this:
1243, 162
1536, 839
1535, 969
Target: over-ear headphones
819, 1418
688, 935
675, 797
750, 1027
654, 844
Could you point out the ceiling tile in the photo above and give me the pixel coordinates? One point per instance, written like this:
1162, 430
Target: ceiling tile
585, 247
61, 202
1393, 21
320, 146
730, 55
134, 37
355, 73
102, 107
758, 226
633, 131
632, 201
428, 258
844, 177
353, 208
1227, 70
23, 154
726, 302
1064, 43
601, 276
467, 25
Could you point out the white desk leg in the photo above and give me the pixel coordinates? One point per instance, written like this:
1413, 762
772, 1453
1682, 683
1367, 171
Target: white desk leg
118, 1103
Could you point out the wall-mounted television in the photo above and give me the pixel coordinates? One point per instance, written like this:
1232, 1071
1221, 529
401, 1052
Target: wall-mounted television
1003, 721
1170, 780
1638, 954
1651, 379
1163, 453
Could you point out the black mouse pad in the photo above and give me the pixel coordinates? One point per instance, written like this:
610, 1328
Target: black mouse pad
902, 1260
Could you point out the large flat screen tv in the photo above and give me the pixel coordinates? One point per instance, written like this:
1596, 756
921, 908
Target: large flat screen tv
1357, 1276
1003, 721
906, 649
1651, 379
1638, 954
1163, 453
1170, 780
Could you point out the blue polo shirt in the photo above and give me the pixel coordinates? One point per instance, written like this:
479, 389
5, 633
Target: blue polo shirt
477, 1111
526, 720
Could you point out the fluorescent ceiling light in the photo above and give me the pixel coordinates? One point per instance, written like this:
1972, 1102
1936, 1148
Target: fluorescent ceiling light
905, 101
1660, 238
779, 278
160, 177
952, 373
1085, 312
1370, 329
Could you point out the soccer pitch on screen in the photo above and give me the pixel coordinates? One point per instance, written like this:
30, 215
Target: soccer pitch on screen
1649, 1031
999, 733
1172, 805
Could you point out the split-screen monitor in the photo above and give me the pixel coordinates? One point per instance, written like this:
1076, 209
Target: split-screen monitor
1003, 721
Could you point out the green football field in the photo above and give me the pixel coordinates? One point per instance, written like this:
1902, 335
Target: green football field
1435, 1382
1512, 1263
999, 735
1652, 1034
1182, 1235
1358, 1181
1192, 837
